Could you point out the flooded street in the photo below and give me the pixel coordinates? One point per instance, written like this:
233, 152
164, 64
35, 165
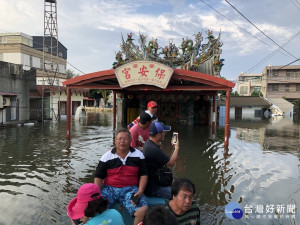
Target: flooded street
40, 173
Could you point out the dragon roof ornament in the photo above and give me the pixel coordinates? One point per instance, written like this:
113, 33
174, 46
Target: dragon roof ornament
191, 55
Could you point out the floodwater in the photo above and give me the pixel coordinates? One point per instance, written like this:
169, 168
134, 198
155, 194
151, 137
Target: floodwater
40, 171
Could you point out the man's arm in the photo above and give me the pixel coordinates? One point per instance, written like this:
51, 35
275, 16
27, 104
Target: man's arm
174, 156
98, 181
142, 185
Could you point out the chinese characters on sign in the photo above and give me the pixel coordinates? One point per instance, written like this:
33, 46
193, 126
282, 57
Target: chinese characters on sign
144, 73
270, 211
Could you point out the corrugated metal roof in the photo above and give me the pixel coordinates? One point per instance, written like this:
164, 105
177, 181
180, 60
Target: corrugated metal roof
282, 104
243, 101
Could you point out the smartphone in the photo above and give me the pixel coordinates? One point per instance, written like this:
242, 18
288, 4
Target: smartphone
174, 138
135, 199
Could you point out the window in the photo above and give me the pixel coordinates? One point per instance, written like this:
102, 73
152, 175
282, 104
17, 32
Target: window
275, 87
30, 58
287, 87
258, 113
3, 40
297, 87
60, 54
256, 79
257, 89
244, 90
274, 73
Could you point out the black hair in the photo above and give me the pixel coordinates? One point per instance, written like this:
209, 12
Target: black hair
96, 206
182, 184
159, 215
125, 131
144, 118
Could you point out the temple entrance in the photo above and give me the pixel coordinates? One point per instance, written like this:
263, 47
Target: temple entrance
202, 110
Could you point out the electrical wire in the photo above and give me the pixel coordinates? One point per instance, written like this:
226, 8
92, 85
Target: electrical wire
236, 24
296, 4
75, 68
273, 53
288, 64
42, 49
260, 30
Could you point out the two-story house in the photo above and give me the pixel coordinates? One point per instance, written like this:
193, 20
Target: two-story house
248, 83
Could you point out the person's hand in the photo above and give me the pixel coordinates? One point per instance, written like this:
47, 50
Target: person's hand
84, 219
135, 199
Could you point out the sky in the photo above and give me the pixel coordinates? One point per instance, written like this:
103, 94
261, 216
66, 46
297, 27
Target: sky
91, 29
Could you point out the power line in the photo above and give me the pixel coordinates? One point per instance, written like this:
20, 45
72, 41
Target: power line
288, 64
42, 48
75, 68
236, 24
259, 29
296, 4
273, 53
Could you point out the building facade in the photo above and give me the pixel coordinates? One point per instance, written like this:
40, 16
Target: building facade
14, 92
248, 83
281, 82
50, 71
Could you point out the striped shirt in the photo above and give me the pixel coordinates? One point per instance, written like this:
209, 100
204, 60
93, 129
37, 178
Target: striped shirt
118, 172
190, 217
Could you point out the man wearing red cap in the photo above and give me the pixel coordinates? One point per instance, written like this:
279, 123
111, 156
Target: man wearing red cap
151, 110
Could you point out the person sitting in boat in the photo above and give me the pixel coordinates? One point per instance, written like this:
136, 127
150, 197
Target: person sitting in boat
88, 207
140, 131
159, 215
152, 108
156, 158
182, 205
122, 176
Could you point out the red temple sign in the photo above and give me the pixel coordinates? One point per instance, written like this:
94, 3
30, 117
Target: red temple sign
144, 72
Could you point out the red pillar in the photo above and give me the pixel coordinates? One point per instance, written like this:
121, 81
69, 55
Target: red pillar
68, 113
227, 115
114, 111
213, 124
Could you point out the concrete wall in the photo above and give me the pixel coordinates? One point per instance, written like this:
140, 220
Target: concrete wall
247, 113
17, 84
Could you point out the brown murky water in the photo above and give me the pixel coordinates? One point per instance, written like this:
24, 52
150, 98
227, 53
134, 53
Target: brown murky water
40, 173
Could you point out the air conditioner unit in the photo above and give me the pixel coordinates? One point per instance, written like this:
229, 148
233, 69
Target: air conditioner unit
6, 101
1, 102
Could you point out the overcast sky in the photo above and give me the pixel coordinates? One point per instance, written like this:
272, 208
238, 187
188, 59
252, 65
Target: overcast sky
91, 29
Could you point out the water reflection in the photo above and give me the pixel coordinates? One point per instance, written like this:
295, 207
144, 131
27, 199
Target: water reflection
40, 171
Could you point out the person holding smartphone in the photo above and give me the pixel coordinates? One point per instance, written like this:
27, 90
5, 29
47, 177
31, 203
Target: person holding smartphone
156, 158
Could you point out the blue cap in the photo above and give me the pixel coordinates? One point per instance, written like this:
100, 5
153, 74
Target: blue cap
158, 127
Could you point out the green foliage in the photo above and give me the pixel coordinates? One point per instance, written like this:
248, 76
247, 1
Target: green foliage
256, 93
234, 93
98, 94
71, 74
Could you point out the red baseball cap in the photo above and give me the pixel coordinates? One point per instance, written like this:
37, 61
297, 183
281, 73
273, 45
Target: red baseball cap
152, 104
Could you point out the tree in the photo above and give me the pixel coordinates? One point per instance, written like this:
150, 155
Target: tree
234, 93
98, 94
70, 74
256, 93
